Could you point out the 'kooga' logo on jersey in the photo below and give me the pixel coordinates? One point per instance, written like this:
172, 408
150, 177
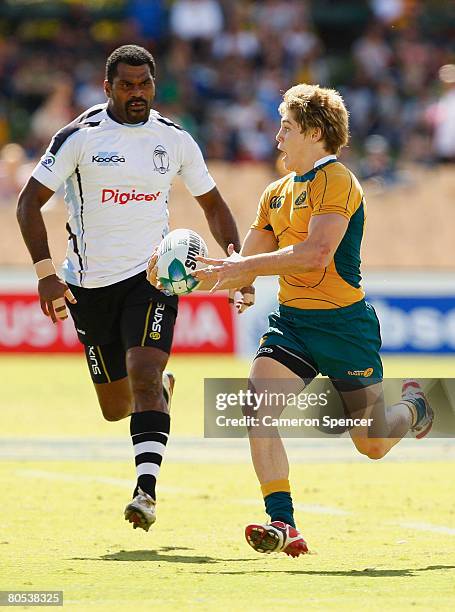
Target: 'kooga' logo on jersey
116, 196
108, 158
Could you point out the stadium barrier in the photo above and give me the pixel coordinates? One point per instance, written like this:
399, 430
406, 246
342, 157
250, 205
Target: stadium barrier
205, 325
416, 311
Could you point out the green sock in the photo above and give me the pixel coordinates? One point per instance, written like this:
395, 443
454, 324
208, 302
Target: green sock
279, 507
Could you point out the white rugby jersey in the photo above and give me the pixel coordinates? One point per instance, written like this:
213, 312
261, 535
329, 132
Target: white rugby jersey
117, 180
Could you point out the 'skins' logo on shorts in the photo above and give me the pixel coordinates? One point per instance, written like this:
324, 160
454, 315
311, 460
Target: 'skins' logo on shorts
366, 373
93, 360
300, 201
155, 334
108, 158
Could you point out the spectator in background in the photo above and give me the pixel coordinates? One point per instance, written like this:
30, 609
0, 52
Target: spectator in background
280, 15
196, 19
56, 111
90, 92
14, 170
372, 53
236, 40
389, 79
444, 120
377, 163
149, 17
4, 127
387, 11
301, 43
414, 56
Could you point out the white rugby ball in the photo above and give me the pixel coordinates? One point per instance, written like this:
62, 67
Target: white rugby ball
177, 259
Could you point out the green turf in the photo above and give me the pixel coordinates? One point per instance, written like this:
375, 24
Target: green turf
70, 535
61, 525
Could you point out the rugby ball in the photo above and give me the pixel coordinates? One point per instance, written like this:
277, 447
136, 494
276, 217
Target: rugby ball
177, 259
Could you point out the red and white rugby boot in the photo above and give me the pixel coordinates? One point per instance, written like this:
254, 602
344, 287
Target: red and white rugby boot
276, 537
412, 393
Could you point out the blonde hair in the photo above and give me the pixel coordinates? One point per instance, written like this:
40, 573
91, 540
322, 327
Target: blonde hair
317, 107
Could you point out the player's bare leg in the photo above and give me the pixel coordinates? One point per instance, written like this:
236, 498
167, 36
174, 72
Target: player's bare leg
272, 467
268, 453
115, 399
389, 423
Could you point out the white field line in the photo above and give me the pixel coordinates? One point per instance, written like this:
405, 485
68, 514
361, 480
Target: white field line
418, 526
200, 450
306, 508
116, 482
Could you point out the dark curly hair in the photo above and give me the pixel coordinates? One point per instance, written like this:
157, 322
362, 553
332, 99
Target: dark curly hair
133, 55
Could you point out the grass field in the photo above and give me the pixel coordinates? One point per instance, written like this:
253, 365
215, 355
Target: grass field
382, 534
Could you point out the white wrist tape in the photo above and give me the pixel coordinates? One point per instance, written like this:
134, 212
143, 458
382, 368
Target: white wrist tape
44, 268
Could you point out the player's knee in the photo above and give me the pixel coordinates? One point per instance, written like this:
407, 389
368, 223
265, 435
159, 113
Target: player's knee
108, 416
115, 412
145, 379
371, 448
376, 452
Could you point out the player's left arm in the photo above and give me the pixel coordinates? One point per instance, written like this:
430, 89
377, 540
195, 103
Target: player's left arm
202, 187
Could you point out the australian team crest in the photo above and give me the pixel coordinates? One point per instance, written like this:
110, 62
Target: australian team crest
300, 201
161, 159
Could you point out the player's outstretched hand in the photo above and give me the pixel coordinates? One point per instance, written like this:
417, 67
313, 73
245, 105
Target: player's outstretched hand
52, 293
229, 273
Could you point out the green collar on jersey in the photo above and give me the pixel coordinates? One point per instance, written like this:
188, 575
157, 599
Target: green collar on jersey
309, 176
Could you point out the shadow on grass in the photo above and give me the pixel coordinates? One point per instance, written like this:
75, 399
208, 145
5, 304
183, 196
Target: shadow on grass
158, 556
366, 573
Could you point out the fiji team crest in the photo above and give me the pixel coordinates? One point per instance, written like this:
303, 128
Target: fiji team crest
161, 159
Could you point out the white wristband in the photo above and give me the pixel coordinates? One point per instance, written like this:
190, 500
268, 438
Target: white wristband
44, 268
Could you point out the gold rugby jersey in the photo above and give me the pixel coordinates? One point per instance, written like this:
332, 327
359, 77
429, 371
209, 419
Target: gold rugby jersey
285, 209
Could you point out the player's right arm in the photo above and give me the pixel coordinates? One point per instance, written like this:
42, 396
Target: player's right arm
257, 241
51, 288
56, 165
31, 199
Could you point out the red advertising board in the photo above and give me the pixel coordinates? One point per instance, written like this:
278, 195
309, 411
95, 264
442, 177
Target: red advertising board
204, 325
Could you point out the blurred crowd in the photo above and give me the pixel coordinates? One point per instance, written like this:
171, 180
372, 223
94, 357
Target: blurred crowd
222, 65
